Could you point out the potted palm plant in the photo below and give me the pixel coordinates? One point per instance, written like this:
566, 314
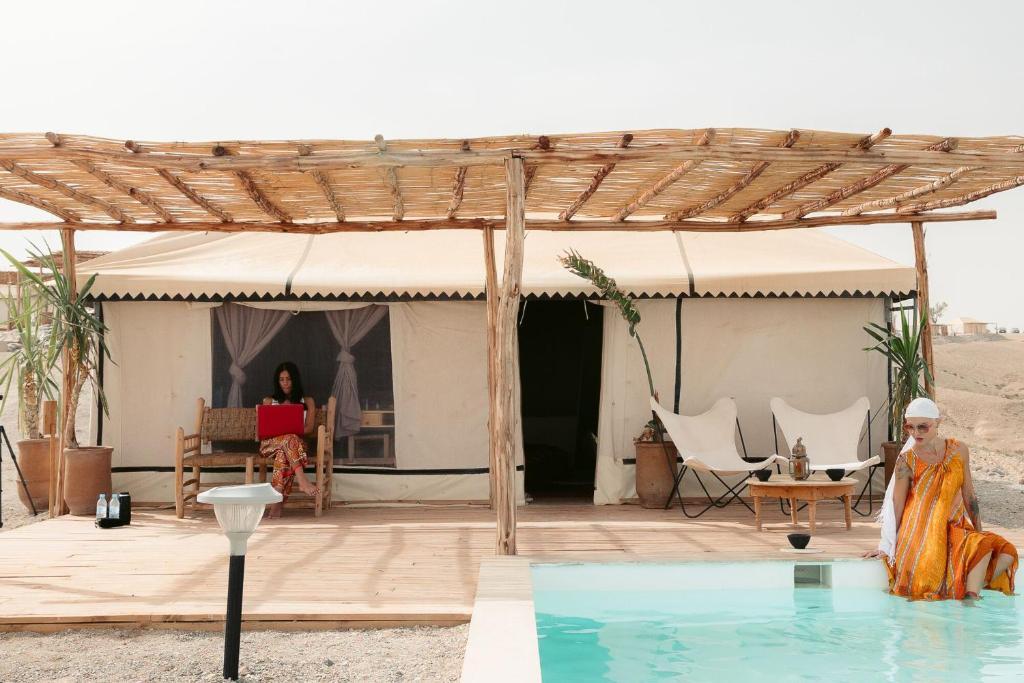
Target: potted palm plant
77, 330
655, 457
902, 348
28, 368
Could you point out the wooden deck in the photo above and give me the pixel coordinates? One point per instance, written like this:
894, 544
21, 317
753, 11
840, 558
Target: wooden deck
353, 566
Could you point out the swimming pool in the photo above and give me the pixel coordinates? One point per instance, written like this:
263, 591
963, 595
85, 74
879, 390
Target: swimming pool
778, 621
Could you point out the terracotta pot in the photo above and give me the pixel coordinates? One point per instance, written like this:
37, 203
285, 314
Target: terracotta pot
34, 460
654, 479
890, 453
86, 476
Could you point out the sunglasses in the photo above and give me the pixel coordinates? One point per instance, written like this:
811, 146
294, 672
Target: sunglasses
919, 428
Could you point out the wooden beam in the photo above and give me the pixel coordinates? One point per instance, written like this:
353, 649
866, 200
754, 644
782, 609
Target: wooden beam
544, 144
927, 188
135, 193
482, 223
595, 183
38, 202
921, 266
459, 186
504, 423
176, 182
963, 199
325, 186
492, 296
756, 170
253, 190
52, 184
391, 181
864, 144
492, 157
642, 197
861, 185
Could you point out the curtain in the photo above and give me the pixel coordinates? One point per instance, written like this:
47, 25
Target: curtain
348, 327
246, 332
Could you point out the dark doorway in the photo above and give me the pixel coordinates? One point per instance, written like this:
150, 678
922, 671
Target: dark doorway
560, 371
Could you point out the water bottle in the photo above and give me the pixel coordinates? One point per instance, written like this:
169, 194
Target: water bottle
101, 507
114, 509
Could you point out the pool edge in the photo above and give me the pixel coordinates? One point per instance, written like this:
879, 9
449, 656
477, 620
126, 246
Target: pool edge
502, 644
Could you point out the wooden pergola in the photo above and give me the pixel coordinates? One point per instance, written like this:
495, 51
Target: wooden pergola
707, 180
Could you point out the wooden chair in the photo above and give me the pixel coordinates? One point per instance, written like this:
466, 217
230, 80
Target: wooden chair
239, 425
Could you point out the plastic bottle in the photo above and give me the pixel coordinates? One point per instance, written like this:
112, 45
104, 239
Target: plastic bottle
114, 509
101, 507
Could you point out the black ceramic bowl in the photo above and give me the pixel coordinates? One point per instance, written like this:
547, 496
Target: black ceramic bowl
835, 474
799, 541
763, 475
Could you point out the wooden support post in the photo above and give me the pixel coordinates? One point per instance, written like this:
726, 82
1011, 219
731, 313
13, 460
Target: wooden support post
492, 357
504, 422
69, 262
50, 432
921, 265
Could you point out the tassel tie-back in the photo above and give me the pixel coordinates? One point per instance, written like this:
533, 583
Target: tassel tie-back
237, 374
344, 357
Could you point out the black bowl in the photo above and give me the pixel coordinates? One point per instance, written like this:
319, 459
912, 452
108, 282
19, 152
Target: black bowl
835, 474
763, 475
799, 541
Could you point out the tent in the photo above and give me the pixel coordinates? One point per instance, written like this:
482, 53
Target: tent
749, 315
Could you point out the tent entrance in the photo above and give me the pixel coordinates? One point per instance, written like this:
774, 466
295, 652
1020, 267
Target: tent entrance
560, 372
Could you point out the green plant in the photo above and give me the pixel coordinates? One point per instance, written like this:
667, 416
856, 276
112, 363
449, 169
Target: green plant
902, 347
576, 264
31, 360
76, 329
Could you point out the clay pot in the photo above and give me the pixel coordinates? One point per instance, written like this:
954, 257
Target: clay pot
86, 476
890, 453
654, 479
34, 460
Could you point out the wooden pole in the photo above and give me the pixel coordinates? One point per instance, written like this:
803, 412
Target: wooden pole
50, 432
504, 424
69, 263
492, 295
921, 265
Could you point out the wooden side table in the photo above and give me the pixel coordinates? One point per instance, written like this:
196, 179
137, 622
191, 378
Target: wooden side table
809, 490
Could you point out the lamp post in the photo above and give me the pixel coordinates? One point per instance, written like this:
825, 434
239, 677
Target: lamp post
238, 510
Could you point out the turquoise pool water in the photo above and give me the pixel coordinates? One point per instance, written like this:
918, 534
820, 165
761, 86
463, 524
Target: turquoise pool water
640, 623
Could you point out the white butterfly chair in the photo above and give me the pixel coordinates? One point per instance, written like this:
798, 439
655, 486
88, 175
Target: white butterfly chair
832, 440
707, 443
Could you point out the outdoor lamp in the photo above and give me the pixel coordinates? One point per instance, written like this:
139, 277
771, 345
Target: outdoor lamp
238, 510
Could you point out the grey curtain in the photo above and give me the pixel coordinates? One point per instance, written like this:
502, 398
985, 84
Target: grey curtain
348, 327
246, 332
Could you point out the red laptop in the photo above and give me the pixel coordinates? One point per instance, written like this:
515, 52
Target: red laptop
275, 420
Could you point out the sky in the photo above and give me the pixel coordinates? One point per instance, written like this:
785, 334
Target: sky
188, 70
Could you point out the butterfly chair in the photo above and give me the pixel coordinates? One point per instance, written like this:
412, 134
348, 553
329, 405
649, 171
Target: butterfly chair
707, 443
832, 440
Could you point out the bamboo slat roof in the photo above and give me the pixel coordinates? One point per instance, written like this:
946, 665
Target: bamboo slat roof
717, 178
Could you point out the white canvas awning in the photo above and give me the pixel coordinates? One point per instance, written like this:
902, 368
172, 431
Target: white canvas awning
449, 263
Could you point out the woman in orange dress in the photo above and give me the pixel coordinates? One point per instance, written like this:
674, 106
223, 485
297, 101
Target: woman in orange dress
940, 549
288, 452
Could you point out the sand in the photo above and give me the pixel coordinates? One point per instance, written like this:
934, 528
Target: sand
981, 393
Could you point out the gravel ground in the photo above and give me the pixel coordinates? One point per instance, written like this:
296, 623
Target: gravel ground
425, 654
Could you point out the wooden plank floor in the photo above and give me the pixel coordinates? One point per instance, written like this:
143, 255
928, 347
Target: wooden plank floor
353, 566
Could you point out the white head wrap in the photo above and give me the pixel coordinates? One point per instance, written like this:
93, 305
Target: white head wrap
919, 407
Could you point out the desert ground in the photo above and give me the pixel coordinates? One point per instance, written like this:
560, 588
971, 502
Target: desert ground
981, 393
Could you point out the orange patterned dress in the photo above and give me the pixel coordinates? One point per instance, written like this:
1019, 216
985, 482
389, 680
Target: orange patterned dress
936, 545
288, 455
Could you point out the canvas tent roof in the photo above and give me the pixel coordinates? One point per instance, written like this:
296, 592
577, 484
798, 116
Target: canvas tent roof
449, 263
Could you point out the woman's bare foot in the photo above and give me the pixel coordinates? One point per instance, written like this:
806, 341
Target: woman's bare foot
872, 553
274, 511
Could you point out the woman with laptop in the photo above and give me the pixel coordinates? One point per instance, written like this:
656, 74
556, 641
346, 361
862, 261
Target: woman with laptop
281, 434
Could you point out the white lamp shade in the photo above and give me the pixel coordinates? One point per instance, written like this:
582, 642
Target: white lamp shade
239, 510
